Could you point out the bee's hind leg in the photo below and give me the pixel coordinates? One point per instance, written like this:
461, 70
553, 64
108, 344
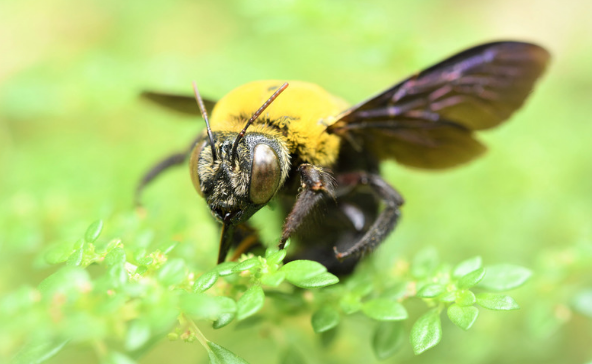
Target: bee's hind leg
316, 184
386, 220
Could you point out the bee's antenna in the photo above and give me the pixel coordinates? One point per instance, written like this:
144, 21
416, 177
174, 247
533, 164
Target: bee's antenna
254, 117
204, 114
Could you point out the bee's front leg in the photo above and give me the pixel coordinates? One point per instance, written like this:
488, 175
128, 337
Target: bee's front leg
386, 220
316, 184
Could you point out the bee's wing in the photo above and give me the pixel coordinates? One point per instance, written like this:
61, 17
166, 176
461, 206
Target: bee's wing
181, 103
428, 120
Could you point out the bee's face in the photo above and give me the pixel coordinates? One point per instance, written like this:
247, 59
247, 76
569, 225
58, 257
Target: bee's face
235, 187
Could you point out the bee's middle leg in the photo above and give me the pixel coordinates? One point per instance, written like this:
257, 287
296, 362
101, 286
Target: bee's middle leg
168, 162
386, 220
316, 184
160, 167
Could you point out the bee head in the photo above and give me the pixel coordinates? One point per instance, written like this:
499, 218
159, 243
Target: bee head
239, 173
236, 183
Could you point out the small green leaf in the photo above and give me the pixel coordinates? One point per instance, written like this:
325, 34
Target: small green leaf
424, 262
172, 272
464, 297
88, 254
325, 319
59, 253
200, 306
219, 355
146, 260
277, 257
227, 311
273, 279
139, 253
388, 338
431, 290
271, 250
498, 302
225, 304
463, 317
75, 258
246, 265
115, 256
118, 275
225, 269
384, 310
93, 231
302, 270
426, 332
205, 281
350, 303
250, 302
396, 292
34, 353
448, 297
138, 333
70, 281
79, 244
504, 277
112, 244
166, 248
471, 279
467, 266
223, 320
173, 336
318, 281
359, 284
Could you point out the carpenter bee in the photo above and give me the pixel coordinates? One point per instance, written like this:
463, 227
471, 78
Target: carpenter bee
307, 148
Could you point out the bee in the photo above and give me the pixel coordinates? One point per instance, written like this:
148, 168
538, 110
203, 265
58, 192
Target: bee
311, 151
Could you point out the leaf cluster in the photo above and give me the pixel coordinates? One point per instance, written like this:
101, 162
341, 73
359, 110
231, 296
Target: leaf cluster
123, 301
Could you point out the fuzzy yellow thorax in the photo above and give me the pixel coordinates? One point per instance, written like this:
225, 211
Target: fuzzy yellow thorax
299, 117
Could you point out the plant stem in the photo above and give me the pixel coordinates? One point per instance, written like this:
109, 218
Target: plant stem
198, 334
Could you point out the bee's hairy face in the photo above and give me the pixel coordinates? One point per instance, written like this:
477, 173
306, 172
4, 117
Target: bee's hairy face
235, 187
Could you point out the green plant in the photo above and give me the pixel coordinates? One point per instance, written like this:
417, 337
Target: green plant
123, 299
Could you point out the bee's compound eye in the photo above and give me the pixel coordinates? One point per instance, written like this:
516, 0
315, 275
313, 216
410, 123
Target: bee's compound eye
265, 174
193, 166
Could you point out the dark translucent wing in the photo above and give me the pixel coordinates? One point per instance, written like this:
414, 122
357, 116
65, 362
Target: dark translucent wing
424, 144
181, 103
427, 120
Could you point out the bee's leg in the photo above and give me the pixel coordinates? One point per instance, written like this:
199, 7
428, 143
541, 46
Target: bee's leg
226, 241
158, 168
315, 185
168, 162
246, 239
386, 220
242, 237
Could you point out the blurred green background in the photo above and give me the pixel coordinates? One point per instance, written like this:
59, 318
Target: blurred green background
74, 139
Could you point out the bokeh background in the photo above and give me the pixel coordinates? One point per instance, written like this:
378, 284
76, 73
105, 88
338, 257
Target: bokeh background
74, 139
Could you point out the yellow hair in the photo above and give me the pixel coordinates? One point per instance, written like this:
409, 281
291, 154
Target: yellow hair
299, 117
